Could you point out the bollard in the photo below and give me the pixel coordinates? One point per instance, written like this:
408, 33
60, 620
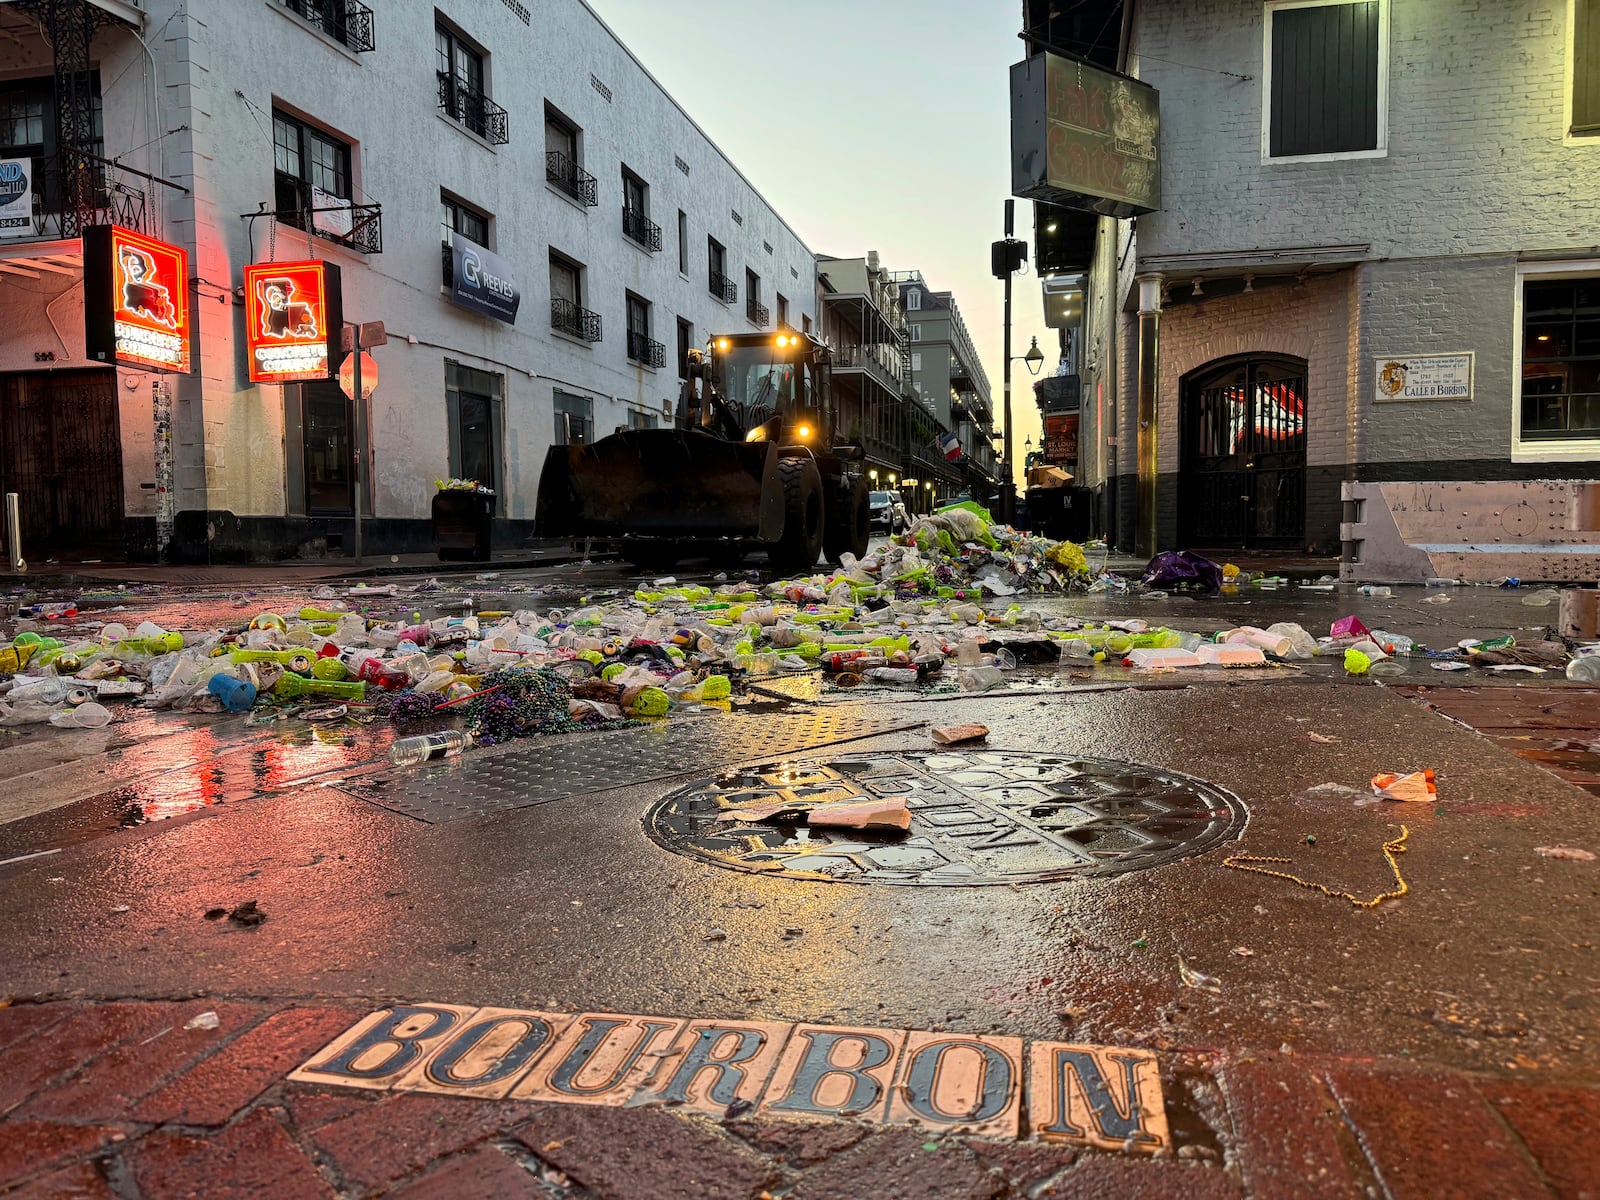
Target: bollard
1580, 613
14, 534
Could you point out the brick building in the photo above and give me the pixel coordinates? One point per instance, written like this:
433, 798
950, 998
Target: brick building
1374, 263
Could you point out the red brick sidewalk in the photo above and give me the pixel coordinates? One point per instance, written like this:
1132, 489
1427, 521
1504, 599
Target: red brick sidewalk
118, 1100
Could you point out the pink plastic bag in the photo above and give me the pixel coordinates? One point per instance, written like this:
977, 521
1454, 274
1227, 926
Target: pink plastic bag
1349, 627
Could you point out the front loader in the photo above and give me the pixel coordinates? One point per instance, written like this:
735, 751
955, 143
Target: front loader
753, 461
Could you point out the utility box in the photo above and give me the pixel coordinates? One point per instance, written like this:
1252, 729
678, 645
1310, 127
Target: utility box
463, 525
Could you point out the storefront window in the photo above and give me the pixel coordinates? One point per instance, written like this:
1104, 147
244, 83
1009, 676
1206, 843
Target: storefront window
1561, 359
472, 401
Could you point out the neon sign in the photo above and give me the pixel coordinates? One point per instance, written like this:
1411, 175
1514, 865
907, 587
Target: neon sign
294, 314
136, 300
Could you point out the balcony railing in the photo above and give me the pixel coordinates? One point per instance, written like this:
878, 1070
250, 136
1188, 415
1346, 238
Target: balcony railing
642, 350
722, 287
757, 312
471, 109
110, 201
571, 178
641, 229
573, 319
358, 226
348, 22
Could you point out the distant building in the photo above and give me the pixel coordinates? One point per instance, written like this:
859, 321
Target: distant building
543, 230
947, 376
1372, 266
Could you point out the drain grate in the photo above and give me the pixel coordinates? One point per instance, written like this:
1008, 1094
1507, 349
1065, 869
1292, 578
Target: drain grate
984, 817
519, 776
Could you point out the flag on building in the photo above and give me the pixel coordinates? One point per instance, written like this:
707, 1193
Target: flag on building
951, 445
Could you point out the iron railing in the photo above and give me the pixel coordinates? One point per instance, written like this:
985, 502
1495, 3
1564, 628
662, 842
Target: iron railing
641, 349
348, 22
571, 178
111, 201
757, 312
293, 205
722, 287
573, 319
471, 109
641, 229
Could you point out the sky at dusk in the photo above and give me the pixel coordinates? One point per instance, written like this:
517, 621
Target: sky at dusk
869, 125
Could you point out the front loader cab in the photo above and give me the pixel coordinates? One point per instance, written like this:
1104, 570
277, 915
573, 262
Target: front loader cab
776, 386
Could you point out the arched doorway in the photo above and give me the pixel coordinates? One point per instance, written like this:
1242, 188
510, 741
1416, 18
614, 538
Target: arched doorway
1242, 470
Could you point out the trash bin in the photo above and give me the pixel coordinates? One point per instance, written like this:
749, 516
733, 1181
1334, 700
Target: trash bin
463, 524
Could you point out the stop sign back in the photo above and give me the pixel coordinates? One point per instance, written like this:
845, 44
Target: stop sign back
369, 376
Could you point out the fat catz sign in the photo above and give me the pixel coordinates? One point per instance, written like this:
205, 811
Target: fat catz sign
1086, 1095
294, 315
135, 300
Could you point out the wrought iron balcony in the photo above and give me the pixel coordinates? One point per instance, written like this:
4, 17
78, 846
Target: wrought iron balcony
571, 178
471, 109
641, 229
570, 318
642, 350
723, 288
348, 22
66, 198
757, 312
292, 201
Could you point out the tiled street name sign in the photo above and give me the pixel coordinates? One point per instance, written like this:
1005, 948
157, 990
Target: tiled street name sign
1089, 1095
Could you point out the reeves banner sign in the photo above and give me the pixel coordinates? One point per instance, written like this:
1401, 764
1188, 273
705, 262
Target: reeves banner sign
481, 280
294, 317
16, 197
135, 300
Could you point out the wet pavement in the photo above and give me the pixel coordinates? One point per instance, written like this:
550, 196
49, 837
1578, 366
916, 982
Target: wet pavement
1430, 1026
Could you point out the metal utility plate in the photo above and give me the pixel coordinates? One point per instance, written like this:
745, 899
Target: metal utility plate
978, 817
522, 774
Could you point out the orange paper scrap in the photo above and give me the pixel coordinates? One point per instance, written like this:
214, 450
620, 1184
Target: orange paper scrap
1417, 787
950, 734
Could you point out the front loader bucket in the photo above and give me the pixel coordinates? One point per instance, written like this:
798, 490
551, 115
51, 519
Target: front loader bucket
661, 483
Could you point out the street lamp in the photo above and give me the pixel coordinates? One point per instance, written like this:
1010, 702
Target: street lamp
1034, 358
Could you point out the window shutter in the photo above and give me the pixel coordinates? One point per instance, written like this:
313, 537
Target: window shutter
1586, 68
1324, 79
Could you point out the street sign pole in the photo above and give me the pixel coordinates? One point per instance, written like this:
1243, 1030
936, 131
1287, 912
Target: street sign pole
360, 437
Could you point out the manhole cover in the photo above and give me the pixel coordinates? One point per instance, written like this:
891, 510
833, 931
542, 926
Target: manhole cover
984, 817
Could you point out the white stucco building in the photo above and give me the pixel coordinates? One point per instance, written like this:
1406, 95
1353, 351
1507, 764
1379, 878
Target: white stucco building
526, 131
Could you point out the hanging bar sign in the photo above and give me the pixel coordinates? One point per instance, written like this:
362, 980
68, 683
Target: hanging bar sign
294, 314
135, 300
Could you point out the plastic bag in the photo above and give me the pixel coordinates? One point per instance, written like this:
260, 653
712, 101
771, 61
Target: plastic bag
1175, 568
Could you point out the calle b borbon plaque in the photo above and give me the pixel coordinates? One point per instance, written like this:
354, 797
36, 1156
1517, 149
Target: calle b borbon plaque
977, 817
1101, 1096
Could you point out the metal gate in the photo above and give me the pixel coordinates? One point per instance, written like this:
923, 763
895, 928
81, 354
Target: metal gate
61, 451
1242, 474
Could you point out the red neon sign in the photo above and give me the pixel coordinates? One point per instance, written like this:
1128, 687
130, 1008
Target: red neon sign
136, 300
293, 318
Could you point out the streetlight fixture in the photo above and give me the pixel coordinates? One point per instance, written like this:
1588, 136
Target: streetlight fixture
1034, 358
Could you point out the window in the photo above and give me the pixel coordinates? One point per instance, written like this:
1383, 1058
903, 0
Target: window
28, 130
638, 328
455, 217
636, 222
574, 419
1560, 359
805, 323
783, 311
683, 242
312, 178
914, 299
567, 314
721, 286
916, 362
347, 22
753, 308
472, 407
463, 93
685, 344
1585, 68
563, 160
752, 285
642, 420
916, 333
1327, 86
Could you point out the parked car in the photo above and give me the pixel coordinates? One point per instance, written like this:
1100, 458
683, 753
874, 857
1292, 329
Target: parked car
885, 513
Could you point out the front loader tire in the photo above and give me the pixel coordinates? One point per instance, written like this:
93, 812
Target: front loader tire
848, 525
803, 515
